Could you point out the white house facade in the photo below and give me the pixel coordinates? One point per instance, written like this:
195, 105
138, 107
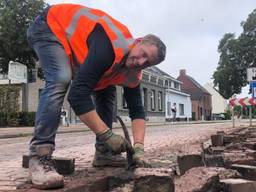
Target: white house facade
181, 102
219, 103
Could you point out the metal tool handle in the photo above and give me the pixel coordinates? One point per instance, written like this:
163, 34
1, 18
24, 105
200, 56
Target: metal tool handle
126, 133
127, 137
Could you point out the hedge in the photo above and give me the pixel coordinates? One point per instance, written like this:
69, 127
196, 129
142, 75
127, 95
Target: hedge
17, 119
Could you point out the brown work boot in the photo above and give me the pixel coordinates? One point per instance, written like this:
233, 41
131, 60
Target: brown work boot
104, 159
41, 169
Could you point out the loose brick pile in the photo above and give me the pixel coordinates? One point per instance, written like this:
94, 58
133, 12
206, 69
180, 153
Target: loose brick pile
227, 164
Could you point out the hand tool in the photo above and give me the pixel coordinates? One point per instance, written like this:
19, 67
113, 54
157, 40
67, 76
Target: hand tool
131, 163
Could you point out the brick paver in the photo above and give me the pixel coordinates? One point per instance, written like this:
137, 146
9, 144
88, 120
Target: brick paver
81, 147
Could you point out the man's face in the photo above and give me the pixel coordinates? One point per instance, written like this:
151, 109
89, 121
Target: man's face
142, 55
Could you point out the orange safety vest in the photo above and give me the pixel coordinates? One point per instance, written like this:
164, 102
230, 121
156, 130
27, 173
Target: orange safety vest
72, 25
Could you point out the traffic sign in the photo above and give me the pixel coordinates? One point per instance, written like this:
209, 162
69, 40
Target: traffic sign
251, 74
242, 101
17, 71
253, 89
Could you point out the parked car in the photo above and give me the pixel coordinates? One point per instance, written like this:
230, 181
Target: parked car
220, 116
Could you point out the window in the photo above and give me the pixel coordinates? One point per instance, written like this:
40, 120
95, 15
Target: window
144, 96
176, 85
145, 77
166, 83
160, 82
160, 101
124, 104
152, 99
181, 109
153, 79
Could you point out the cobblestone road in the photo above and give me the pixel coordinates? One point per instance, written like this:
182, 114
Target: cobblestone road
174, 138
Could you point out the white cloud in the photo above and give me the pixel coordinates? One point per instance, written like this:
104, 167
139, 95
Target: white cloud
191, 29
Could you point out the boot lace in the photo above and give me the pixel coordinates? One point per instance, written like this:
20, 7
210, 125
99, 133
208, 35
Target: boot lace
47, 162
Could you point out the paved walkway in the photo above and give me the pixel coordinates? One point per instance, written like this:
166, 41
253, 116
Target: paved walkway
81, 146
13, 132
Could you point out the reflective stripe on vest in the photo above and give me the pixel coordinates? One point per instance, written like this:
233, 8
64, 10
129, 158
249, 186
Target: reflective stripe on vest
68, 22
120, 42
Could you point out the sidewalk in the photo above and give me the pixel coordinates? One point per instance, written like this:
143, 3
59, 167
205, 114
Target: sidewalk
13, 132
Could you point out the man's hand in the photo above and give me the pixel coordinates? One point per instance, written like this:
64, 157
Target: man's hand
138, 156
115, 143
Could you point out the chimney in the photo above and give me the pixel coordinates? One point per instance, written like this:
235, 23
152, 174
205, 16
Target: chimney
182, 72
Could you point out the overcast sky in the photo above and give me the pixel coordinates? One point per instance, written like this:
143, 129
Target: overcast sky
191, 29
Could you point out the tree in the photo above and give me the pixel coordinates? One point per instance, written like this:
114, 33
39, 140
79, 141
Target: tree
229, 76
248, 41
236, 55
15, 17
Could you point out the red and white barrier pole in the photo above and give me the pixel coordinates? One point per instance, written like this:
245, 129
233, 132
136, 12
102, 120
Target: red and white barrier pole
250, 115
242, 102
233, 118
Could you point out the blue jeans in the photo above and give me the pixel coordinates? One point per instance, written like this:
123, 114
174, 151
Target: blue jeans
57, 73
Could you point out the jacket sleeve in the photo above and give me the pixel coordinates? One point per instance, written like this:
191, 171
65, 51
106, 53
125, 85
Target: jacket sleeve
100, 57
134, 102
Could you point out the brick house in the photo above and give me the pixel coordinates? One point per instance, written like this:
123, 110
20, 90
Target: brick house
200, 97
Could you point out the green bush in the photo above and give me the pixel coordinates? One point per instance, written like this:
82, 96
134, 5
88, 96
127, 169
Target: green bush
17, 119
13, 119
27, 118
9, 100
227, 115
3, 119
